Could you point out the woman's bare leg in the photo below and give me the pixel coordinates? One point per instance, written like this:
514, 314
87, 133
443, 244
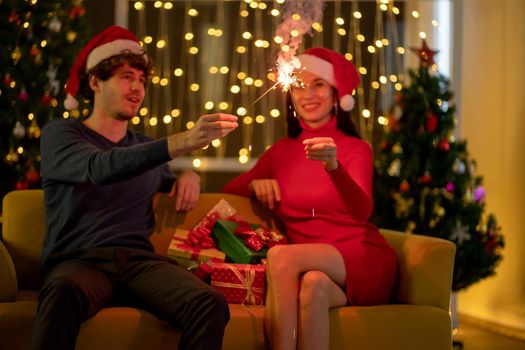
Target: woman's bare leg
285, 266
317, 294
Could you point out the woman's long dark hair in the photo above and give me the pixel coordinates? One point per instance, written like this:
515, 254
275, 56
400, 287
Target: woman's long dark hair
344, 120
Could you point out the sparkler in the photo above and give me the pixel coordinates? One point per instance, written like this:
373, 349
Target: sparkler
286, 79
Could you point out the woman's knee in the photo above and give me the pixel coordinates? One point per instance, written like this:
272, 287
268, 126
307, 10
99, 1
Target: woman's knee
314, 288
280, 260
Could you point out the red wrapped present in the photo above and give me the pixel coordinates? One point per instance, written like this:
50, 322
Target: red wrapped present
240, 283
187, 255
198, 234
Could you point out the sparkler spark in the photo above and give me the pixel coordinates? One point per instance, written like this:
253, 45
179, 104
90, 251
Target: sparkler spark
287, 75
286, 78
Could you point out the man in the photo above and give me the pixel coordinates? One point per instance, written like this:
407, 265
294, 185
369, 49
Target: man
98, 180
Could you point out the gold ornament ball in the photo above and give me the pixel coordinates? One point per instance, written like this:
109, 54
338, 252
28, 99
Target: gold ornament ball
34, 131
71, 36
16, 55
12, 157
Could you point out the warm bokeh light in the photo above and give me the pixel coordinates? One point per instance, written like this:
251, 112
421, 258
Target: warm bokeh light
241, 111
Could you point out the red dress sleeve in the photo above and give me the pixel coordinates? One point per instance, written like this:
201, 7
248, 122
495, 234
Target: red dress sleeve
261, 170
353, 180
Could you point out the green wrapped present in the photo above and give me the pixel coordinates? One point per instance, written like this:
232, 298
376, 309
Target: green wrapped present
234, 246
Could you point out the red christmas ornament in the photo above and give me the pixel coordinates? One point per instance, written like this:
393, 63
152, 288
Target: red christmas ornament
32, 176
77, 11
392, 123
34, 51
491, 244
46, 99
22, 185
444, 145
14, 18
432, 123
8, 80
404, 186
426, 178
23, 95
383, 145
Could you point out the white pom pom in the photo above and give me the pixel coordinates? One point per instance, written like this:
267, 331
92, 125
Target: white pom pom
346, 102
70, 102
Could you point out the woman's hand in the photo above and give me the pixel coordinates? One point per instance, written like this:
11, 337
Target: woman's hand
323, 149
186, 190
266, 191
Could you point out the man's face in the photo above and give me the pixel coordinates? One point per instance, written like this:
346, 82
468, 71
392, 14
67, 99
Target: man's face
123, 93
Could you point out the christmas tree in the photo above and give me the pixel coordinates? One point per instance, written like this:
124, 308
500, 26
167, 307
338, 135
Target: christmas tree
39, 41
425, 181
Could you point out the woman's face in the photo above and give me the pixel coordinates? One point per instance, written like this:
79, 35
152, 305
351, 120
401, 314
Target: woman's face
315, 101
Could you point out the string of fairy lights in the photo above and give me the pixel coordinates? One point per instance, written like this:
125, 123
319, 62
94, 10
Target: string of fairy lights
225, 63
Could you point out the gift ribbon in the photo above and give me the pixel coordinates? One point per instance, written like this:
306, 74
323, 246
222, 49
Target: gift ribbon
194, 251
246, 283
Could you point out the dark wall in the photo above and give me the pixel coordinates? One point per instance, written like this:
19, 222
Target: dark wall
101, 14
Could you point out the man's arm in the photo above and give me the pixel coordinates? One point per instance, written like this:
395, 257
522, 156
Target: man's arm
68, 157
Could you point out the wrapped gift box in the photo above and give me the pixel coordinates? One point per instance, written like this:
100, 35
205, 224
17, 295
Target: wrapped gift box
240, 283
187, 255
233, 245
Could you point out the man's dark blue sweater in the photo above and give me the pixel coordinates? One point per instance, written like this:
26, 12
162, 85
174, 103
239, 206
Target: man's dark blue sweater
97, 192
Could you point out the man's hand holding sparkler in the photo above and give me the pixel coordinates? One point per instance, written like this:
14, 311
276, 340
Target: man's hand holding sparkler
207, 128
322, 149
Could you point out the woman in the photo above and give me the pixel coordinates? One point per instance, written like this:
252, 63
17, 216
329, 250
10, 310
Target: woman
318, 180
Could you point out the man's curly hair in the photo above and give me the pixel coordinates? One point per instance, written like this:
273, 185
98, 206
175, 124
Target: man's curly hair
107, 67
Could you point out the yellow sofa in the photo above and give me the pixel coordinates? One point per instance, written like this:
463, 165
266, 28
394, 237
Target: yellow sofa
417, 319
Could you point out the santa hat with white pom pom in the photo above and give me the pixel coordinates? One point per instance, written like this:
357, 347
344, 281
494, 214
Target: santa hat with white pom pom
335, 69
110, 42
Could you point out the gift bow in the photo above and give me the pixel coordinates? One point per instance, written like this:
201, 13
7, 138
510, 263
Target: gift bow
246, 283
256, 238
200, 235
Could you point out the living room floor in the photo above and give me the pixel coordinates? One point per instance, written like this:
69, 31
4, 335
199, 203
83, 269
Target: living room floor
475, 338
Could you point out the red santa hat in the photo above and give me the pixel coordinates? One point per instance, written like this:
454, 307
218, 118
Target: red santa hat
110, 42
335, 69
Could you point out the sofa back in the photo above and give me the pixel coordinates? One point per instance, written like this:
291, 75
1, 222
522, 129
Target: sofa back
425, 263
24, 227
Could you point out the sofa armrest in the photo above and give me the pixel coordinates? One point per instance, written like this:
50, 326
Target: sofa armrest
8, 282
425, 268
